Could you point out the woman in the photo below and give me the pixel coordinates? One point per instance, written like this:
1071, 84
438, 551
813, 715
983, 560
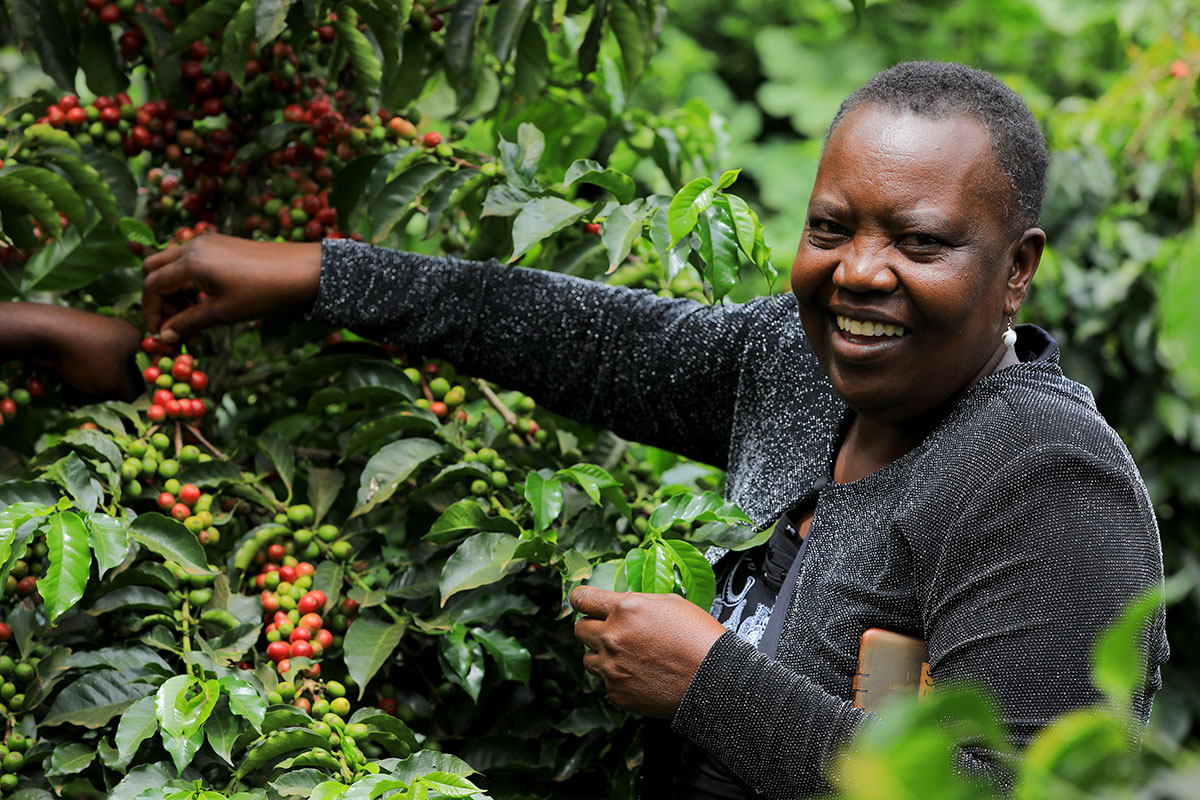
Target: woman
932, 470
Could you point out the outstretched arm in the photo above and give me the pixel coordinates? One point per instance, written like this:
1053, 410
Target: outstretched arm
93, 353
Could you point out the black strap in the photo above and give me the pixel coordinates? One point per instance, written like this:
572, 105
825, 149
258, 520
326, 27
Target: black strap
769, 643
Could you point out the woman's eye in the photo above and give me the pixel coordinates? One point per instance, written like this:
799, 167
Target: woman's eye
919, 240
826, 229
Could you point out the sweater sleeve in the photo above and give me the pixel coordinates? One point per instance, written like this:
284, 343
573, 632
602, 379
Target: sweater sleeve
1039, 562
655, 370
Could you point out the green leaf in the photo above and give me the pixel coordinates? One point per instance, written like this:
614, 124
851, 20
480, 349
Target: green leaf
388, 468
136, 231
1118, 667
212, 475
727, 178
451, 193
658, 573
504, 200
17, 191
545, 497
718, 248
350, 183
131, 598
466, 516
201, 22
520, 159
324, 486
109, 541
280, 742
514, 660
73, 475
696, 575
745, 223
686, 207
244, 700
297, 782
462, 661
506, 24
368, 72
116, 175
69, 758
222, 731
540, 218
480, 560
448, 785
95, 698
631, 25
236, 41
70, 563
531, 70
460, 43
673, 257
589, 49
104, 74
95, 445
137, 724
279, 451
590, 478
270, 18
53, 41
368, 645
171, 540
398, 196
620, 229
88, 181
635, 567
133, 659
585, 170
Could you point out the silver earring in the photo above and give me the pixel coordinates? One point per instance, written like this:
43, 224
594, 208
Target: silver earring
1010, 336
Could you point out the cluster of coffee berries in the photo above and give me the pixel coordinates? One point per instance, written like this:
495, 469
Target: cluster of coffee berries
18, 677
22, 578
440, 396
174, 381
16, 393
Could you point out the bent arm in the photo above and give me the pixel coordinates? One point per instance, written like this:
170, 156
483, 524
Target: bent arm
655, 370
1044, 557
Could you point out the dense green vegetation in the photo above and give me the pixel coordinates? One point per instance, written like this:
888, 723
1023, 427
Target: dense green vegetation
436, 523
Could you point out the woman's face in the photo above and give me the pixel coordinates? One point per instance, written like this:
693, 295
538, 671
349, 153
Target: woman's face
902, 272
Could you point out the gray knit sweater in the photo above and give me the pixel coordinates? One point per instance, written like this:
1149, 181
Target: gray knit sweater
1008, 539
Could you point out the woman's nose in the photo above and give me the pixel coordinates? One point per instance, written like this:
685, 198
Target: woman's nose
866, 267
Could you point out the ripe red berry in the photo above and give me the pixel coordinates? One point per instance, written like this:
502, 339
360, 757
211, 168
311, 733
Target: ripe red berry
172, 408
305, 568
300, 634
110, 116
278, 651
432, 139
5, 632
306, 605
189, 493
156, 413
350, 606
276, 552
198, 409
324, 637
439, 409
181, 370
311, 621
109, 14
77, 116
27, 585
151, 374
35, 387
198, 381
180, 512
288, 574
591, 228
388, 705
166, 500
319, 597
301, 649
270, 601
8, 407
286, 664
151, 345
162, 397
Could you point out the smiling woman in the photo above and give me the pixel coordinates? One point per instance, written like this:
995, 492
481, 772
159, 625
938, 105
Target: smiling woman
922, 471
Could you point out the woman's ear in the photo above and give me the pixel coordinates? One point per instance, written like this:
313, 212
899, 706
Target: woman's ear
1026, 255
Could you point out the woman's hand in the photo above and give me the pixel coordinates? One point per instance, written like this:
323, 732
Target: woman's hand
645, 647
94, 354
243, 280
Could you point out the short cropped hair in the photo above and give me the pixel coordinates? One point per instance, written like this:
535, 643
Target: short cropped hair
938, 90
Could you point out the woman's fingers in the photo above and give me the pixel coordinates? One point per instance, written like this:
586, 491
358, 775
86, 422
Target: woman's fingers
164, 278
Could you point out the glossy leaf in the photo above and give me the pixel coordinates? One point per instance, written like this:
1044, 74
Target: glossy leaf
631, 25
545, 498
480, 560
397, 197
718, 248
368, 645
270, 19
506, 24
620, 229
204, 20
368, 72
388, 468
589, 49
244, 700
93, 699
70, 563
104, 74
540, 218
466, 516
137, 724
460, 42
587, 171
279, 451
696, 575
590, 477
686, 207
172, 541
69, 758
89, 183
514, 660
109, 541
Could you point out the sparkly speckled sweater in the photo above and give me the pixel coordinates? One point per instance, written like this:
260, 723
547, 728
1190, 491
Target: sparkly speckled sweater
1007, 540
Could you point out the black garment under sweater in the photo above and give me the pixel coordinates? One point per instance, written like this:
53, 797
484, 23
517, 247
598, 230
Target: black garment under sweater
1008, 539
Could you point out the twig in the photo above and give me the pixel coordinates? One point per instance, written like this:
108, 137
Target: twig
425, 388
506, 413
178, 438
200, 438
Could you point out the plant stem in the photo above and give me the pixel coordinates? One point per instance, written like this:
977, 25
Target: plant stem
357, 581
211, 447
506, 413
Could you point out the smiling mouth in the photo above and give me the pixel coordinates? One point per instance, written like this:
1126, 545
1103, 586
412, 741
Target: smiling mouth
867, 328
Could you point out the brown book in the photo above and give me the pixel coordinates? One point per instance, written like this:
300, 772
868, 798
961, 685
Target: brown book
890, 665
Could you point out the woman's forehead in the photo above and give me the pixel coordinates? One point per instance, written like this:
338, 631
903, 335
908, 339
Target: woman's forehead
892, 153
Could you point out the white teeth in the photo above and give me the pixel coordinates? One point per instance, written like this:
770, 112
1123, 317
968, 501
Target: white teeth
869, 328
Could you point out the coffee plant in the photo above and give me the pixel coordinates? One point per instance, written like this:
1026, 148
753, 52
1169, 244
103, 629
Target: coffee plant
307, 564
304, 564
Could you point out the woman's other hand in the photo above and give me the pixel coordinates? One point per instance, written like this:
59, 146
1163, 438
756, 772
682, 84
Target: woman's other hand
645, 647
92, 353
241, 280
